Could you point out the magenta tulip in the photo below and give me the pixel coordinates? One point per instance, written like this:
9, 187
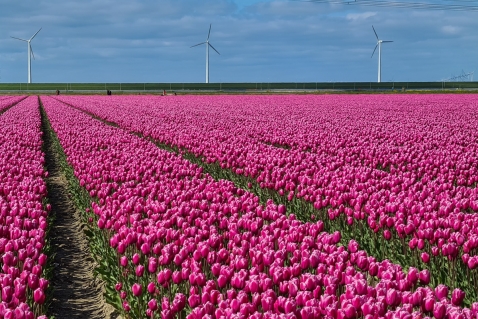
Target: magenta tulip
457, 297
39, 296
137, 289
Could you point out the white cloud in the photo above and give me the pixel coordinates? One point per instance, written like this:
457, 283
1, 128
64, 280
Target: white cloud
360, 16
450, 30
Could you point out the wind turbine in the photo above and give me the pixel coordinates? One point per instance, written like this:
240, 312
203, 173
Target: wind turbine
207, 52
379, 45
30, 54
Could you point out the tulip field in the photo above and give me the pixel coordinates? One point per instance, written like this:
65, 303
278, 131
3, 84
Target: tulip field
281, 206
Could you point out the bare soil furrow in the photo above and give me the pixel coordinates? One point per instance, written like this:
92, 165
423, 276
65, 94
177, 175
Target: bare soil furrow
76, 291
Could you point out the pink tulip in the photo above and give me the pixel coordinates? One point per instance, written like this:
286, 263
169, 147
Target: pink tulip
139, 270
7, 293
425, 257
424, 277
126, 306
153, 305
429, 304
194, 301
457, 297
124, 261
441, 291
137, 289
439, 310
136, 259
151, 288
39, 296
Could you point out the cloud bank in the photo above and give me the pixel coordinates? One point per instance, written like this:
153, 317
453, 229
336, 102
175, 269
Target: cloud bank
259, 41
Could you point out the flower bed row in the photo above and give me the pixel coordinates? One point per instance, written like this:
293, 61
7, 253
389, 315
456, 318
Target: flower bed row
177, 242
9, 101
403, 167
23, 212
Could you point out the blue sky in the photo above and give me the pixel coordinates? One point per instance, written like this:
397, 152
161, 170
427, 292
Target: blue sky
259, 41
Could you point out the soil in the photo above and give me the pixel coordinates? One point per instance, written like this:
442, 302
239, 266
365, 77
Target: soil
77, 294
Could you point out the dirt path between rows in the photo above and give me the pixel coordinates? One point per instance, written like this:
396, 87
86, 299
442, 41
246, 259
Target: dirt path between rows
76, 292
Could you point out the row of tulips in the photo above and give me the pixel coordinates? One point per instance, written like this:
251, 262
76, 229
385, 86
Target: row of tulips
401, 169
179, 243
8, 101
23, 215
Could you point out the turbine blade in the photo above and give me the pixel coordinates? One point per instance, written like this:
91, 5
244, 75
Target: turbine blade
31, 50
35, 34
197, 44
374, 50
209, 33
375, 32
214, 48
19, 39
386, 41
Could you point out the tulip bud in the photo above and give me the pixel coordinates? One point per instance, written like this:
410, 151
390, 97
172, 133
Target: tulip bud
441, 291
350, 311
137, 289
20, 291
7, 293
361, 287
439, 310
19, 313
194, 301
457, 297
153, 305
152, 265
124, 261
425, 257
151, 287
429, 304
42, 260
424, 276
353, 246
373, 269
145, 248
33, 281
392, 297
43, 283
136, 259
126, 306
139, 271
336, 236
412, 275
39, 296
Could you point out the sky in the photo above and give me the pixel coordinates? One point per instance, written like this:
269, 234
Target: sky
125, 41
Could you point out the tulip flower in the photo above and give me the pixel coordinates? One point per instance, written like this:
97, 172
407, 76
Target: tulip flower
153, 305
457, 297
425, 257
439, 310
424, 277
137, 289
39, 296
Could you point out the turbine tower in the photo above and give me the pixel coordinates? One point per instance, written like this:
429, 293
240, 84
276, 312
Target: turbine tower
30, 54
379, 45
207, 52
